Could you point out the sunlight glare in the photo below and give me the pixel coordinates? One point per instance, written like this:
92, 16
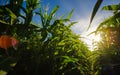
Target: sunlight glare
89, 40
96, 38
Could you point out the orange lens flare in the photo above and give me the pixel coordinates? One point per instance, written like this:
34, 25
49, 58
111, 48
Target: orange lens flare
7, 41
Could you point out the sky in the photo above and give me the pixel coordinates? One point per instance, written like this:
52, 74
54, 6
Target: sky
82, 14
82, 11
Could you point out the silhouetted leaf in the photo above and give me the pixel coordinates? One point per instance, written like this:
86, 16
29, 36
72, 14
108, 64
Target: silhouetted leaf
95, 9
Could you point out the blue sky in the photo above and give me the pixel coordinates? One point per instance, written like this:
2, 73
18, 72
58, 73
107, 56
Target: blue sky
82, 11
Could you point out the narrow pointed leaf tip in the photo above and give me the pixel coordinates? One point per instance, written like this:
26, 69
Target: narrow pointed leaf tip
70, 14
95, 9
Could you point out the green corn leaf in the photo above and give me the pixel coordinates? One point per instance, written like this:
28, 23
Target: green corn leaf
4, 22
103, 23
111, 7
54, 11
2, 72
70, 14
11, 13
51, 14
13, 16
69, 59
108, 21
71, 24
62, 16
94, 32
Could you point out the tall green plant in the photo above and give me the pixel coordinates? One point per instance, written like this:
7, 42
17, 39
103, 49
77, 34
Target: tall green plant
50, 49
108, 47
10, 24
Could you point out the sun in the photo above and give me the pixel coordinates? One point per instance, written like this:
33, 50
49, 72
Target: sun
90, 39
96, 38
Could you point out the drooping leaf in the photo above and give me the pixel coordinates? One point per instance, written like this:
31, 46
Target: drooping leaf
105, 22
111, 7
95, 9
109, 21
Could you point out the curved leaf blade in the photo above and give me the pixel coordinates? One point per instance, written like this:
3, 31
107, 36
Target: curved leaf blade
95, 9
70, 14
